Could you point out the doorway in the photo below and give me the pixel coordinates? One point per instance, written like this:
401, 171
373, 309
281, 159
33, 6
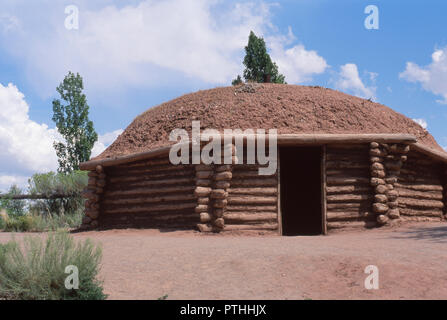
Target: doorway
301, 190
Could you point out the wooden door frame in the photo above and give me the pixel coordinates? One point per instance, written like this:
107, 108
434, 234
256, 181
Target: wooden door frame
323, 191
279, 192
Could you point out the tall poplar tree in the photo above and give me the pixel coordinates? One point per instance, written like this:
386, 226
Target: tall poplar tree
72, 122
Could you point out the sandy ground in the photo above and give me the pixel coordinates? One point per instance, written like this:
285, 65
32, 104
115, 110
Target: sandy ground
147, 264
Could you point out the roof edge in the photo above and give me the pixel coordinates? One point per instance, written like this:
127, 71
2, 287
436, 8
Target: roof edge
282, 139
432, 153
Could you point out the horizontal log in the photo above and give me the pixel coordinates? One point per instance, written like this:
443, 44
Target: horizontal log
429, 171
412, 203
347, 198
241, 217
240, 167
150, 208
419, 219
148, 169
424, 195
149, 192
349, 225
349, 205
347, 165
420, 180
349, 147
247, 174
119, 160
170, 217
151, 162
343, 155
347, 181
347, 172
262, 182
153, 183
241, 227
418, 187
251, 208
147, 200
343, 138
232, 200
344, 216
426, 213
37, 196
353, 189
152, 215
142, 177
253, 191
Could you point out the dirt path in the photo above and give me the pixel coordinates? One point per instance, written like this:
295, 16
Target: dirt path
147, 264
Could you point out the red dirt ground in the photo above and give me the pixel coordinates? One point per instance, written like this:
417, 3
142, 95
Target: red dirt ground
288, 108
147, 264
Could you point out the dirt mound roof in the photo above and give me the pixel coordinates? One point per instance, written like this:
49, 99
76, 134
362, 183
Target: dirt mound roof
291, 109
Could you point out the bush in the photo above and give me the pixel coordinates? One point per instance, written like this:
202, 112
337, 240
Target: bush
2, 222
51, 183
21, 224
57, 222
36, 270
13, 207
39, 223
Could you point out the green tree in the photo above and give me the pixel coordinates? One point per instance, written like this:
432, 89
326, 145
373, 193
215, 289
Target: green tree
259, 67
71, 118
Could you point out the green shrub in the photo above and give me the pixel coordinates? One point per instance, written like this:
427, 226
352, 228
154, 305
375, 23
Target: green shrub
57, 222
21, 224
35, 270
13, 207
39, 223
51, 183
2, 223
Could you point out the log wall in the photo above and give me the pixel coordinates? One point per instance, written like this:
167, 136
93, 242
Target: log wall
252, 200
349, 195
150, 193
420, 189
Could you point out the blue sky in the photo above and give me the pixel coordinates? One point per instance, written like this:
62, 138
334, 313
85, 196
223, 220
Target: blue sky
136, 54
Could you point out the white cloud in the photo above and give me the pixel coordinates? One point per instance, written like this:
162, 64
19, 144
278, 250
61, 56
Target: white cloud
148, 43
421, 122
26, 147
349, 81
432, 77
23, 142
296, 63
104, 141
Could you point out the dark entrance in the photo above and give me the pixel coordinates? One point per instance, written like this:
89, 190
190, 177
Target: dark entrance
300, 178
